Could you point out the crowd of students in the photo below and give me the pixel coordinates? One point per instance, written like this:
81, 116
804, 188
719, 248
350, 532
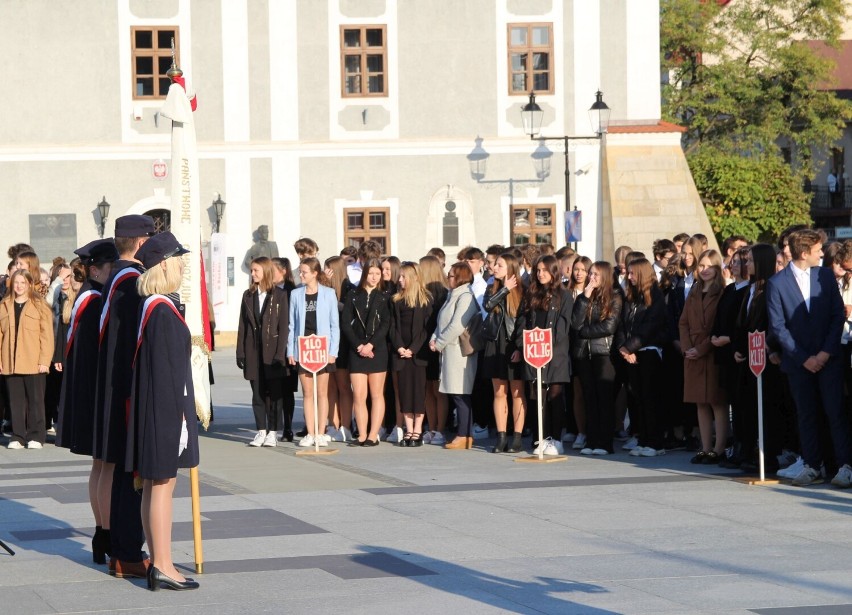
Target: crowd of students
649, 352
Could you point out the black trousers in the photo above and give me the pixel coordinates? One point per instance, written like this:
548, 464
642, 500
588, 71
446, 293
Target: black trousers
125, 512
645, 378
597, 379
26, 401
52, 389
266, 395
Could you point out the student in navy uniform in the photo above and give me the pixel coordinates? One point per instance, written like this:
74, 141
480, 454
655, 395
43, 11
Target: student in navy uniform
118, 500
162, 429
77, 397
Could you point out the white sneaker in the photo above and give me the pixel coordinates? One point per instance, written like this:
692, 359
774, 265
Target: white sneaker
396, 435
34, 444
345, 435
307, 441
479, 433
51, 431
808, 476
843, 478
587, 451
630, 444
600, 452
438, 438
551, 448
579, 441
569, 437
259, 438
636, 451
792, 470
427, 437
323, 440
555, 447
15, 445
280, 434
271, 439
334, 434
653, 452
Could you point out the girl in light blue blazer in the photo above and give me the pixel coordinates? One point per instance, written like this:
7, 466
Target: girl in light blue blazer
313, 310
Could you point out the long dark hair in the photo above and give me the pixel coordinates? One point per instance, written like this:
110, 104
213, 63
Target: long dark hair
763, 257
540, 296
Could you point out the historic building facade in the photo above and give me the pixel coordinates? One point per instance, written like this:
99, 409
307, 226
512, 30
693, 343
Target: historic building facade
342, 120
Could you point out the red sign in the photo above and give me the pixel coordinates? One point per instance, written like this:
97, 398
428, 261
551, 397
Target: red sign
159, 169
313, 352
538, 347
757, 352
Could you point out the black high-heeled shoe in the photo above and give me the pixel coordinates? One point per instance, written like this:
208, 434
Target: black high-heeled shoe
156, 578
517, 444
101, 545
502, 442
98, 554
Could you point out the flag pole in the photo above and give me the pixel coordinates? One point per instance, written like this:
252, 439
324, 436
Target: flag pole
184, 172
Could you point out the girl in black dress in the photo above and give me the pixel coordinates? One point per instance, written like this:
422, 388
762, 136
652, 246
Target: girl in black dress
365, 324
411, 310
162, 430
437, 404
502, 302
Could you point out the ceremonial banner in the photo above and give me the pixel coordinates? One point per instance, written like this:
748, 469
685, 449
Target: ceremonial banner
186, 208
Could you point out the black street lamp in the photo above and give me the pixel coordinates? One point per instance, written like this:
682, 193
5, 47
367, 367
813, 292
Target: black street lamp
532, 116
219, 209
103, 212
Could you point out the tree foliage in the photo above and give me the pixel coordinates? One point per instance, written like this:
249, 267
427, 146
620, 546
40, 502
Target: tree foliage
744, 84
754, 197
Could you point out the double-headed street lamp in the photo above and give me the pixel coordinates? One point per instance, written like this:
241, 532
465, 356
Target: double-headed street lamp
532, 116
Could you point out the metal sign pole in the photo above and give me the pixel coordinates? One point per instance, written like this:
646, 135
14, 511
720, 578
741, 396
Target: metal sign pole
760, 425
540, 414
316, 416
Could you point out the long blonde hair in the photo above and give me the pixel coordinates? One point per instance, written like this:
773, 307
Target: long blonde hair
414, 294
431, 271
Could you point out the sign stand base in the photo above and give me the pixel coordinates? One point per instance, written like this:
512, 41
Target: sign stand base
322, 451
546, 459
754, 480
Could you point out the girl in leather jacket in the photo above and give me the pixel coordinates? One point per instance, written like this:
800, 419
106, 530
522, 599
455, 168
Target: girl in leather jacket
595, 319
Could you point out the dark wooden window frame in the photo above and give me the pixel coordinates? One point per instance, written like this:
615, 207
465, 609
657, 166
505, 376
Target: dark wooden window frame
530, 49
363, 51
366, 232
157, 55
533, 228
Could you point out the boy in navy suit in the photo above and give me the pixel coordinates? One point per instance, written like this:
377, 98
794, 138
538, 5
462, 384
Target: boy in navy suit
806, 315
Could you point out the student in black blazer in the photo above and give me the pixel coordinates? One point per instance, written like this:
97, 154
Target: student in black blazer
411, 310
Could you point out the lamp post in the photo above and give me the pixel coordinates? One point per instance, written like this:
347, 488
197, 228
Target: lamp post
532, 116
219, 209
103, 213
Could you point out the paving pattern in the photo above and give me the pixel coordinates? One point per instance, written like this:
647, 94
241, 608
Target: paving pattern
427, 530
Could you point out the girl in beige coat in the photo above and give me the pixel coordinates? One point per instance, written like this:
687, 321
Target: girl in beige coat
26, 348
701, 384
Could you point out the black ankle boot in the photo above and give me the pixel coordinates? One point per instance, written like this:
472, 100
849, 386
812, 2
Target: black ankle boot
502, 442
517, 444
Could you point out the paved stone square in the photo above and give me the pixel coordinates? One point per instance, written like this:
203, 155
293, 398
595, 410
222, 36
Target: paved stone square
390, 530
